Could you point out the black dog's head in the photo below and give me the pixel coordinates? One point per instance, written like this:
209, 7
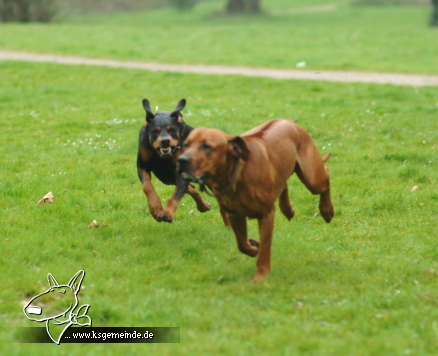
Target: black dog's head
164, 128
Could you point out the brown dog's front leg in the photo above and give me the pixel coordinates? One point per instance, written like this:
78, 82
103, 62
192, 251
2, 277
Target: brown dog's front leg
224, 215
285, 204
266, 228
153, 200
201, 204
238, 224
326, 206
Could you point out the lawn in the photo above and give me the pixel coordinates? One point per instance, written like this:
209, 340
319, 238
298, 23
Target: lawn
364, 284
384, 39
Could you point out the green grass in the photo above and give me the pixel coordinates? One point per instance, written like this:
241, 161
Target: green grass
355, 286
385, 39
361, 285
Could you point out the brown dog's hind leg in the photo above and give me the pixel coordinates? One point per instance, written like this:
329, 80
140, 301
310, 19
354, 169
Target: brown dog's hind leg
266, 228
201, 204
285, 204
316, 178
238, 224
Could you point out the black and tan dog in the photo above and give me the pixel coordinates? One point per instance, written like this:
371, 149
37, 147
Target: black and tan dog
248, 173
160, 144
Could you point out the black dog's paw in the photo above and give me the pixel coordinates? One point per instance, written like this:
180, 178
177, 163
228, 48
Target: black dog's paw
164, 217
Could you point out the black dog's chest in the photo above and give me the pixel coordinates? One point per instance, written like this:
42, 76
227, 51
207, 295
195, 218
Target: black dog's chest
164, 170
148, 159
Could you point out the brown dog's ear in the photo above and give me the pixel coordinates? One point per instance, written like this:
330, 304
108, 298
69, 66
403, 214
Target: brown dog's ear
239, 148
149, 114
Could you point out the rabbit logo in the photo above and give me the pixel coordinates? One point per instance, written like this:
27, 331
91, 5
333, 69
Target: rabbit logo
57, 307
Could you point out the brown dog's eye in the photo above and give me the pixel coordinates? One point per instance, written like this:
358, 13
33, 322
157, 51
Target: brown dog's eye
185, 145
206, 147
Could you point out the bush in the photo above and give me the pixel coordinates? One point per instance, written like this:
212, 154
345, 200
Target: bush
45, 10
182, 5
27, 10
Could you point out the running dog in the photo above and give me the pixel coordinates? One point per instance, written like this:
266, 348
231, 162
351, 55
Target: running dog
248, 173
160, 144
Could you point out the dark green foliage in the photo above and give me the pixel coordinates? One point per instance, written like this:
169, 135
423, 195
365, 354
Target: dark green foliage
183, 5
27, 10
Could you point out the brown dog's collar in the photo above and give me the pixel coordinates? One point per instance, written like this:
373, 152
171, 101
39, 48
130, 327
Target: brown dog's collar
229, 186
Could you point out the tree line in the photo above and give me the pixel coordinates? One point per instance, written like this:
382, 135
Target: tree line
45, 10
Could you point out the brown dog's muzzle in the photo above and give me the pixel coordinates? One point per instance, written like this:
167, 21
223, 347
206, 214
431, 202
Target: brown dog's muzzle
183, 168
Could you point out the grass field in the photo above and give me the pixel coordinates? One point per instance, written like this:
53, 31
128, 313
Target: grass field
386, 39
365, 284
356, 285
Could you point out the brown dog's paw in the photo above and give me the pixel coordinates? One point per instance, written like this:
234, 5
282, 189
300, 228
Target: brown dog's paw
327, 213
260, 275
289, 213
253, 243
204, 207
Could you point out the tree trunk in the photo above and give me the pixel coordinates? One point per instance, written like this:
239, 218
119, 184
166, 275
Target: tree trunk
6, 10
242, 6
22, 10
434, 19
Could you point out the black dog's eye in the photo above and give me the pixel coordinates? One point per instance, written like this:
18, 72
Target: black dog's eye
206, 147
156, 130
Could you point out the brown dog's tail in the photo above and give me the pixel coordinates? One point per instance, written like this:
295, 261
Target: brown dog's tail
326, 157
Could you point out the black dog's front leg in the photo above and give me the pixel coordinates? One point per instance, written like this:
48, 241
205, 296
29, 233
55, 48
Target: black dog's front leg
167, 213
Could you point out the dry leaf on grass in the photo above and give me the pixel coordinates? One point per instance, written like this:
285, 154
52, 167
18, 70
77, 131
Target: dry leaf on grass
93, 224
48, 197
414, 188
430, 272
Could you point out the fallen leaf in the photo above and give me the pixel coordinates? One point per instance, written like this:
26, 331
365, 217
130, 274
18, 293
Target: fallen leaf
430, 272
414, 188
48, 197
93, 224
298, 305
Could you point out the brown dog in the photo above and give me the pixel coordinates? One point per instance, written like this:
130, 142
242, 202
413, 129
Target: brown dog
248, 173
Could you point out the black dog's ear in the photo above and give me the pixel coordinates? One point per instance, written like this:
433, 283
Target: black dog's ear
239, 148
147, 107
176, 113
181, 105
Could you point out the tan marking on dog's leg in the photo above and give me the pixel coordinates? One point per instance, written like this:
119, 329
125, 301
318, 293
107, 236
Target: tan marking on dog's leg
168, 212
238, 224
153, 200
266, 228
201, 204
285, 204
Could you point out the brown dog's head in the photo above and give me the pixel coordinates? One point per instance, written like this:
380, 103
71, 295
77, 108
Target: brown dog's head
207, 152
